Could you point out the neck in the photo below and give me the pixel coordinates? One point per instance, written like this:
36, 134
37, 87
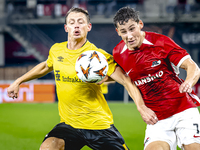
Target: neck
142, 38
73, 45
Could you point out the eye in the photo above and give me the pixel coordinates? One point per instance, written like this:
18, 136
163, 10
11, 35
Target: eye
71, 22
131, 29
81, 21
123, 32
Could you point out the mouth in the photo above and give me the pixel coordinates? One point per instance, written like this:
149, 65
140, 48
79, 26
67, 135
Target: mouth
131, 42
76, 33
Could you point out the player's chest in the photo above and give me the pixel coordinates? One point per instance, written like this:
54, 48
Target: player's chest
64, 64
143, 63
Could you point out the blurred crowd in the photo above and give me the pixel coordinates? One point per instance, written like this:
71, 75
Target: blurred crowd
105, 8
183, 7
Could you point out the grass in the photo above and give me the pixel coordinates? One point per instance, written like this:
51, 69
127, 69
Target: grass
23, 126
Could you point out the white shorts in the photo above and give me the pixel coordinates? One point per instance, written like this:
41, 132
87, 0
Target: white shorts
179, 129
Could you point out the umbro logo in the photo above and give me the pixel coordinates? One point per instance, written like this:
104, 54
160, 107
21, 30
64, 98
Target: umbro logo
60, 58
156, 63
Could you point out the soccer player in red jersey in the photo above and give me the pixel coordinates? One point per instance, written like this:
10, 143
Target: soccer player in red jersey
152, 61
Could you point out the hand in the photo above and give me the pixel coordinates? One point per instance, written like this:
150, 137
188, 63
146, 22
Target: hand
104, 79
148, 115
185, 87
13, 90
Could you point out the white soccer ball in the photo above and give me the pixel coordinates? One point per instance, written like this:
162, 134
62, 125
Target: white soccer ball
91, 66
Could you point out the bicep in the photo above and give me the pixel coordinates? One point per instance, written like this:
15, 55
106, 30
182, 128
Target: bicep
47, 68
42, 68
188, 63
119, 75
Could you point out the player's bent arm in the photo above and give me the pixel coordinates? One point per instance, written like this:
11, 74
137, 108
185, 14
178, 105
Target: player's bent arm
193, 74
37, 72
120, 76
147, 114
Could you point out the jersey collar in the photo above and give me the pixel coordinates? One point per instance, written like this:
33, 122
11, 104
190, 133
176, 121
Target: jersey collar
145, 41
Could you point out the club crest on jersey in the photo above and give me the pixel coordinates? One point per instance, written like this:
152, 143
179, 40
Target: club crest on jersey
156, 63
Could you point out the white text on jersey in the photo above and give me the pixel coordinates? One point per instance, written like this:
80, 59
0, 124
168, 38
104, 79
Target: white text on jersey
149, 78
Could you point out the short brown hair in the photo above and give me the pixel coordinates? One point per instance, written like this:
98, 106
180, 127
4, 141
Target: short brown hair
78, 10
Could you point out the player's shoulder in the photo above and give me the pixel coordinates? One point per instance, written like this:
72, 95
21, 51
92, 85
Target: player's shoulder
119, 47
58, 46
91, 46
159, 40
154, 37
149, 33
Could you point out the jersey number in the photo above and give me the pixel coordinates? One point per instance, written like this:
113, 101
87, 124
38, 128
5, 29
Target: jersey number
195, 124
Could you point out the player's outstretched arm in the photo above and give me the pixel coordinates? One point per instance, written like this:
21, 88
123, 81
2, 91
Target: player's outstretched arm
193, 74
37, 72
147, 114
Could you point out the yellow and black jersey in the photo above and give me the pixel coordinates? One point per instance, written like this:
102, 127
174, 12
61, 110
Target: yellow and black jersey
81, 105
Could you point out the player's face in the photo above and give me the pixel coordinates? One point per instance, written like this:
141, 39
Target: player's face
77, 26
131, 33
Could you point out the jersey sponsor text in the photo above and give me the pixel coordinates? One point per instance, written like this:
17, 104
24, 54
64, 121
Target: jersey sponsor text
149, 79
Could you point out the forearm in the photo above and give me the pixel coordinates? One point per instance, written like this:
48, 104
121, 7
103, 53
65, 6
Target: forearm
120, 76
147, 114
37, 72
134, 93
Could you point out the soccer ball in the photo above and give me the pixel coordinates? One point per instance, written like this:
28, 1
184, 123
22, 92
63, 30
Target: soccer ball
91, 66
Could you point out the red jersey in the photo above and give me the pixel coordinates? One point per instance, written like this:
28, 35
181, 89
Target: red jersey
154, 67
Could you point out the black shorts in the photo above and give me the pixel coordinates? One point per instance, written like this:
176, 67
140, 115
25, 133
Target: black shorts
75, 139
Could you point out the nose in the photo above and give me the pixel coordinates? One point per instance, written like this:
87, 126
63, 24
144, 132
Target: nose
76, 25
129, 35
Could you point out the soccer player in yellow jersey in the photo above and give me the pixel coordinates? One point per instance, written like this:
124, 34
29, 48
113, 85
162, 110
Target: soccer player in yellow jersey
85, 116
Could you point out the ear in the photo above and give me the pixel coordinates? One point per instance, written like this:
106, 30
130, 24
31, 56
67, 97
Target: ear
141, 24
65, 27
117, 31
89, 27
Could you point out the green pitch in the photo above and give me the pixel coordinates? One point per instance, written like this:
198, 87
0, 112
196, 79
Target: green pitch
23, 126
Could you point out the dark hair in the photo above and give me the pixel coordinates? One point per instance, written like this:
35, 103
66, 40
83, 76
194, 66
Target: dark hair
78, 10
124, 14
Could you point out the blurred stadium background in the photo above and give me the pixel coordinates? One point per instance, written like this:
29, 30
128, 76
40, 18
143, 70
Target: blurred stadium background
28, 28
